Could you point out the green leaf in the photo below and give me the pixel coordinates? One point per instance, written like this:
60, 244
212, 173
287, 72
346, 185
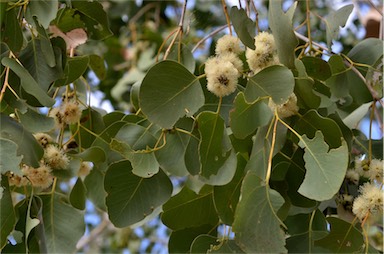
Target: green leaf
283, 32
304, 230
131, 198
180, 241
12, 34
257, 226
202, 243
134, 147
171, 156
27, 144
68, 19
305, 95
343, 238
9, 160
316, 67
227, 246
168, 92
312, 121
74, 69
94, 154
227, 196
354, 118
325, 168
94, 183
63, 224
247, 117
77, 197
188, 209
28, 82
44, 10
7, 215
334, 20
35, 122
46, 46
95, 19
98, 66
367, 51
213, 152
186, 57
244, 27
274, 81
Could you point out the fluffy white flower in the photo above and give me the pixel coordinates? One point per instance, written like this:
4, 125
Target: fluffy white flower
39, 177
370, 201
71, 112
233, 59
265, 53
55, 157
221, 76
286, 109
228, 44
56, 114
376, 170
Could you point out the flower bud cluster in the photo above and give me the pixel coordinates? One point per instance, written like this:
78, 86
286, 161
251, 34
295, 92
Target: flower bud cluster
285, 109
265, 53
225, 67
369, 202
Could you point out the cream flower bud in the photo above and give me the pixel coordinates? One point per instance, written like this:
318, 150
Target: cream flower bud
286, 109
233, 59
56, 114
362, 167
85, 168
370, 201
228, 44
352, 176
221, 77
55, 157
43, 139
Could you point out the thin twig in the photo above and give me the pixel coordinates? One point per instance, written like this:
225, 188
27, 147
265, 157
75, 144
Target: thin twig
225, 9
375, 7
84, 241
207, 37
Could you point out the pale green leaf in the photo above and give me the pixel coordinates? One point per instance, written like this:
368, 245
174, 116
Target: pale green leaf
28, 82
63, 224
44, 10
36, 122
247, 117
94, 183
367, 51
94, 153
335, 20
325, 168
283, 32
244, 27
354, 118
274, 81
9, 160
168, 92
27, 144
188, 209
257, 226
131, 198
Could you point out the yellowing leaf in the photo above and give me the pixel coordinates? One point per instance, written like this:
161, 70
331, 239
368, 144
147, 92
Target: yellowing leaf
325, 169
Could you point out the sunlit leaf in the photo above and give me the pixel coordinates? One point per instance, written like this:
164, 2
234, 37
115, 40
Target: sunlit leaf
257, 226
131, 198
335, 20
168, 92
325, 168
